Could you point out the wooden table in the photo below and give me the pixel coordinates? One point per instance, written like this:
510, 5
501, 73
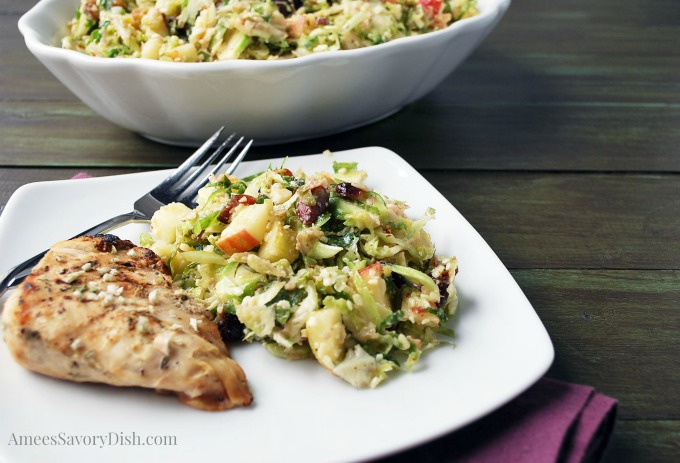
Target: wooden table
558, 139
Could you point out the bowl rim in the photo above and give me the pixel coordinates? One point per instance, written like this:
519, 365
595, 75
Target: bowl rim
489, 11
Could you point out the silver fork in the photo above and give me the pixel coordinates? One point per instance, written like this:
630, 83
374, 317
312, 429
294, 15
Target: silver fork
180, 186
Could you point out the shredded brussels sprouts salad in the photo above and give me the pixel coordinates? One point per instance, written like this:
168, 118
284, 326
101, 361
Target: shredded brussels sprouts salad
312, 266
216, 30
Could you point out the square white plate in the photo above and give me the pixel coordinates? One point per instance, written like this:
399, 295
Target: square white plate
301, 413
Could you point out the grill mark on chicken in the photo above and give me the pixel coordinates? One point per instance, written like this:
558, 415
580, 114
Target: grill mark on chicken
99, 309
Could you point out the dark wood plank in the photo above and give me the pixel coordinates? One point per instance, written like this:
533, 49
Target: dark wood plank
493, 74
77, 139
544, 220
638, 441
22, 76
16, 7
613, 330
480, 137
593, 27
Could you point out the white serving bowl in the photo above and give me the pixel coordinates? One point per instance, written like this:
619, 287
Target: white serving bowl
271, 101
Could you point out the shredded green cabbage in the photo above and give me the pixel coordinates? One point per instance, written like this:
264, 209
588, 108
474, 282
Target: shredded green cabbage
211, 30
313, 266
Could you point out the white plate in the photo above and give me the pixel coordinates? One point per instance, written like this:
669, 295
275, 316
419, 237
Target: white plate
301, 413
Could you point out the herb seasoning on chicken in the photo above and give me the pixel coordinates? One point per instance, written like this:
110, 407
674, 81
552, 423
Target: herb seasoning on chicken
99, 309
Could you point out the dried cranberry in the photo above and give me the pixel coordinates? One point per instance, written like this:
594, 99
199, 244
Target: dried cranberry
347, 190
443, 284
234, 201
312, 204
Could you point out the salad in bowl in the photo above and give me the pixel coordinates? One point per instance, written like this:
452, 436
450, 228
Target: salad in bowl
175, 71
210, 30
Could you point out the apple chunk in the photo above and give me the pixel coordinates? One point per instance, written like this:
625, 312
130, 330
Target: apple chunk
279, 243
373, 276
247, 228
326, 336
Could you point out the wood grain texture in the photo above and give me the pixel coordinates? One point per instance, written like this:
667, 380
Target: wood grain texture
22, 76
475, 137
558, 139
644, 441
571, 220
616, 331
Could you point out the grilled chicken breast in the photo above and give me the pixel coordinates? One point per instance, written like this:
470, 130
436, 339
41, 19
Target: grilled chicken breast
99, 309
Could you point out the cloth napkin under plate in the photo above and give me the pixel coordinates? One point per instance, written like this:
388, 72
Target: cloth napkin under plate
551, 422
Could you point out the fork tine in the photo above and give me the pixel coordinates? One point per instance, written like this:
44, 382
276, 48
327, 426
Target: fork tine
184, 184
234, 165
182, 170
190, 194
219, 165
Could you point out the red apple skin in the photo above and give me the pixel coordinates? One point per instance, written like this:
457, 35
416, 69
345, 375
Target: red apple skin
240, 241
376, 266
247, 228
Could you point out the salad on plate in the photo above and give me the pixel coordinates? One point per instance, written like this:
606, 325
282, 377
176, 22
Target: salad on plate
313, 265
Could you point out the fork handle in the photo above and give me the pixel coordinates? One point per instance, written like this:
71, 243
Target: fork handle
16, 275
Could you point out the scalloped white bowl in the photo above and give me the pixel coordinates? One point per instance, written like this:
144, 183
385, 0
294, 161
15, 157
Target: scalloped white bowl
271, 101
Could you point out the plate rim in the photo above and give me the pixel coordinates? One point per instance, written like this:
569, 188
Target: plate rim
540, 368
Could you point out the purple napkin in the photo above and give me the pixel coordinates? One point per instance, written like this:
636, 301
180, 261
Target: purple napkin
552, 421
